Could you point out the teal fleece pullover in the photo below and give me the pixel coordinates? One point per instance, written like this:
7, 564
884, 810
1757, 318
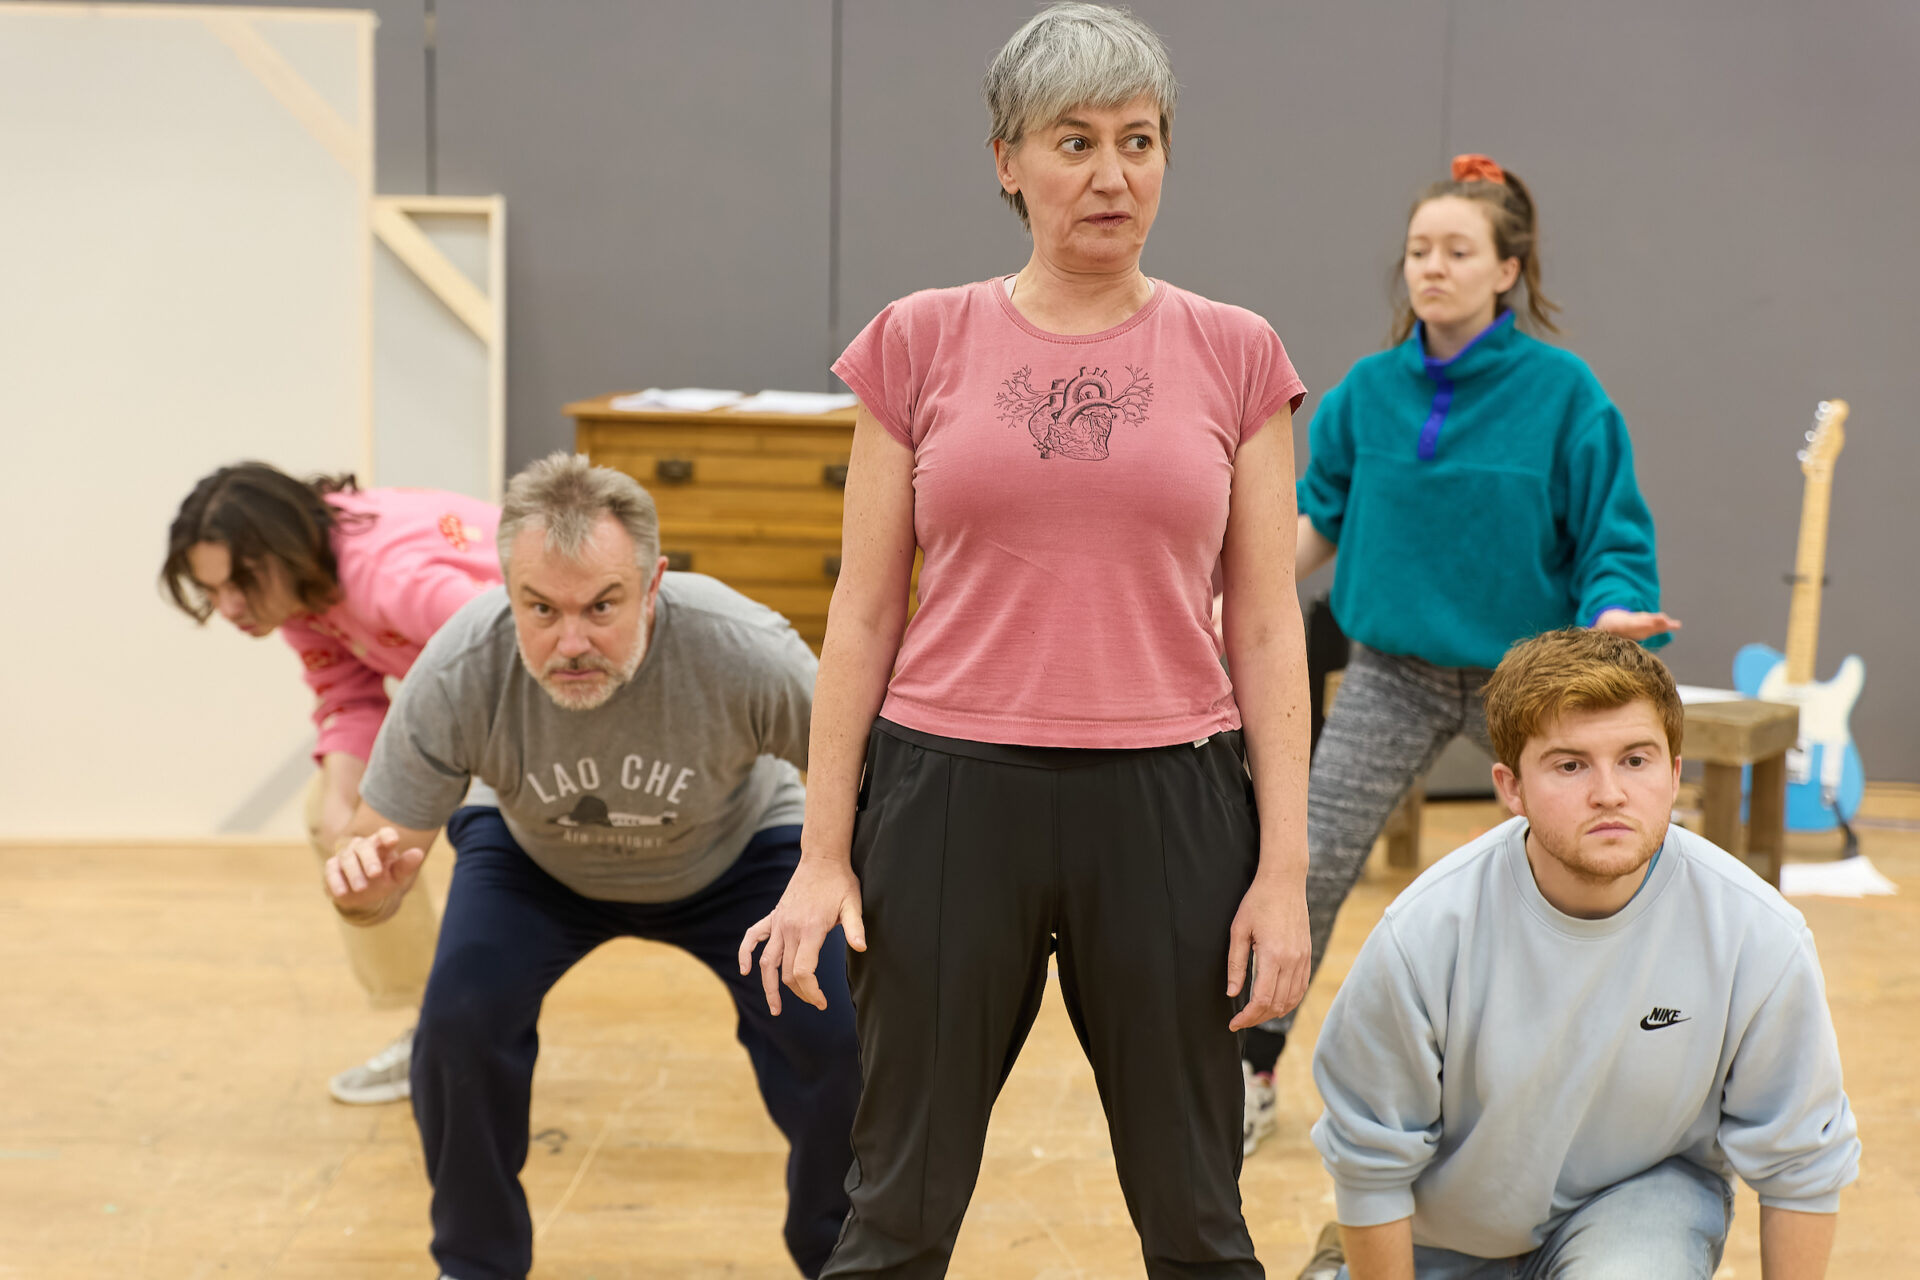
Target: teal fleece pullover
1476, 501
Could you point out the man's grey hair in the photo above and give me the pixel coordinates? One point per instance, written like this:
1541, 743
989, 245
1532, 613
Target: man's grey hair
1075, 55
566, 495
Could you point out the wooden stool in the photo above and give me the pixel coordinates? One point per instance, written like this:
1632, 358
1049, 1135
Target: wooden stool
1402, 831
1725, 736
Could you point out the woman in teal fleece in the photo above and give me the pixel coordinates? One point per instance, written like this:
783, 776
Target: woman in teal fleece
1477, 485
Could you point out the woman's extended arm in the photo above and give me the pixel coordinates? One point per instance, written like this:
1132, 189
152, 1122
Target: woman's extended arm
1267, 653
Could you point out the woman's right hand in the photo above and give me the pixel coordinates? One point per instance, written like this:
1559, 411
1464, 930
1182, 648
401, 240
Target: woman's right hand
1636, 626
823, 892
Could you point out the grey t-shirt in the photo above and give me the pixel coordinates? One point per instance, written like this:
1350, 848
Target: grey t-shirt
646, 798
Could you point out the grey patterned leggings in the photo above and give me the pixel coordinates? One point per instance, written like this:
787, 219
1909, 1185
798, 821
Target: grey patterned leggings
1392, 718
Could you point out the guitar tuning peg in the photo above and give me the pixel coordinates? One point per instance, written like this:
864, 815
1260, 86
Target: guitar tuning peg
1809, 437
1801, 456
1825, 405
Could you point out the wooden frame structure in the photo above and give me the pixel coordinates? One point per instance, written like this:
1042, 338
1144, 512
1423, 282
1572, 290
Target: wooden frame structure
481, 312
349, 146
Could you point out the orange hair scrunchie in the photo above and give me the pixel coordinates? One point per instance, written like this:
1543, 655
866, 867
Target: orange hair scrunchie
1477, 168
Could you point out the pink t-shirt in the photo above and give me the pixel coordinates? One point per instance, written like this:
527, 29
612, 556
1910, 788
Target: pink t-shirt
1070, 501
421, 557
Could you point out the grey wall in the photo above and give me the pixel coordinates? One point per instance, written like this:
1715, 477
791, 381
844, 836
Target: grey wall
667, 178
721, 193
1729, 196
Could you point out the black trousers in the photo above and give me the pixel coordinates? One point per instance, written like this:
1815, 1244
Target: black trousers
510, 931
977, 860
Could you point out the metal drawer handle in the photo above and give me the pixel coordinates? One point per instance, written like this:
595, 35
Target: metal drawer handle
673, 470
834, 475
830, 565
679, 561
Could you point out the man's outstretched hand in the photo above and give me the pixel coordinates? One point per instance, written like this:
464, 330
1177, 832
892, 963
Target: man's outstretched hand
369, 875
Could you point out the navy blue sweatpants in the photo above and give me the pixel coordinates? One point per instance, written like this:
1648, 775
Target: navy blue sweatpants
509, 933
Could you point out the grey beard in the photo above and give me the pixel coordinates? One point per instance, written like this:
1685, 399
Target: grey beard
618, 677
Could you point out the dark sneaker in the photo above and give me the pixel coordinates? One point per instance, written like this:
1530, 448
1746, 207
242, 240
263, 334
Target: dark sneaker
1262, 1109
1328, 1257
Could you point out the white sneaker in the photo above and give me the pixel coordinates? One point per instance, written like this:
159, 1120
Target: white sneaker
1260, 1116
381, 1078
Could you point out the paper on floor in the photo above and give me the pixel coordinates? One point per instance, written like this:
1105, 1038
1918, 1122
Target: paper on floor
1853, 877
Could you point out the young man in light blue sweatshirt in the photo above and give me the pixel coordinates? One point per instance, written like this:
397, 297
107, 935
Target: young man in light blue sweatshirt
1564, 1038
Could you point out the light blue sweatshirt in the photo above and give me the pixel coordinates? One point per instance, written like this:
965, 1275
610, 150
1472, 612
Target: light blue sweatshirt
1490, 1064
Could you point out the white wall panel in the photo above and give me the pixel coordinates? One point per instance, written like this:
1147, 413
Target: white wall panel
188, 271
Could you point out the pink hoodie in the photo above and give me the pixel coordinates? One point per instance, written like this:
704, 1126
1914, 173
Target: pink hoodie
421, 556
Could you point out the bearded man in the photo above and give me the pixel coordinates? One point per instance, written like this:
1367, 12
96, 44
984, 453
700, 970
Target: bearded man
1565, 1038
643, 732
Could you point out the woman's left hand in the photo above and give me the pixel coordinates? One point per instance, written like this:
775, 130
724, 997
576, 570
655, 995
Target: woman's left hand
1272, 924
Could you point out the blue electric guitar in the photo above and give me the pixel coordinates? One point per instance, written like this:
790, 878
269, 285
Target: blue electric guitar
1824, 779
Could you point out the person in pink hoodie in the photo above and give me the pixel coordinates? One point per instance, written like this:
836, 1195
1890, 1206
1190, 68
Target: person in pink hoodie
357, 582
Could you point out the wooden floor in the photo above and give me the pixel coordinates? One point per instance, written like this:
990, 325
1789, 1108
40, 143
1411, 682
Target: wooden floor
168, 1019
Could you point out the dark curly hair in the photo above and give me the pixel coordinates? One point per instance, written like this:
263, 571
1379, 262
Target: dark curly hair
256, 511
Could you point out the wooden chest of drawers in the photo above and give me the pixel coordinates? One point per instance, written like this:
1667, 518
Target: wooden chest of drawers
751, 499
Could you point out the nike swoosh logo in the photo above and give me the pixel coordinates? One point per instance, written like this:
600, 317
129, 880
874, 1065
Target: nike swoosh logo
1646, 1025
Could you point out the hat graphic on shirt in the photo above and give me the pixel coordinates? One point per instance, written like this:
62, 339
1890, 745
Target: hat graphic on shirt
591, 811
588, 811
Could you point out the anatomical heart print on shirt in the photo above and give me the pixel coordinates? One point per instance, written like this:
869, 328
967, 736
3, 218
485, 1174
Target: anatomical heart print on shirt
1076, 415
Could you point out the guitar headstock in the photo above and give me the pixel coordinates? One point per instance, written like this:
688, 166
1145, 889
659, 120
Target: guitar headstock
1825, 440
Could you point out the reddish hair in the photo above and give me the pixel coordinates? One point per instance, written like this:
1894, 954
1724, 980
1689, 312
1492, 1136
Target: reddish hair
1578, 669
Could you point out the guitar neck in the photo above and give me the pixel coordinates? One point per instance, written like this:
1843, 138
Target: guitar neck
1809, 567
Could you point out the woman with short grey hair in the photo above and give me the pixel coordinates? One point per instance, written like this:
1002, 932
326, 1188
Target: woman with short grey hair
1050, 758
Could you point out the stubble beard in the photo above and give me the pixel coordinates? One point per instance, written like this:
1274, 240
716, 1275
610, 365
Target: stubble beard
1592, 871
587, 698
